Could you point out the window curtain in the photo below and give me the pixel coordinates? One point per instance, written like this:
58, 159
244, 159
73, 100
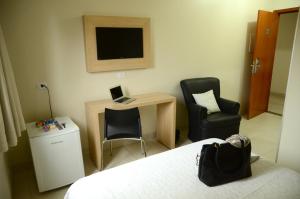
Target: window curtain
11, 117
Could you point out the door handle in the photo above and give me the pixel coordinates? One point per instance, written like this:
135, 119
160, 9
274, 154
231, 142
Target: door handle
255, 65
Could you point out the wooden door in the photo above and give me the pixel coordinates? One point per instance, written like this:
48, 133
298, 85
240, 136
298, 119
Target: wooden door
262, 65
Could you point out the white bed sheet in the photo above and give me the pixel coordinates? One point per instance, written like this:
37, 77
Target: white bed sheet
173, 175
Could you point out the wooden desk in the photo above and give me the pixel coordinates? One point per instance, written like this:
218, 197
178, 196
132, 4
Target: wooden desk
165, 122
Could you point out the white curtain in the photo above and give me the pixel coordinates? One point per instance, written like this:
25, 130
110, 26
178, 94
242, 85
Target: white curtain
11, 117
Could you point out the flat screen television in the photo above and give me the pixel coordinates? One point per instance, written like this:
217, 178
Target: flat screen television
116, 43
119, 43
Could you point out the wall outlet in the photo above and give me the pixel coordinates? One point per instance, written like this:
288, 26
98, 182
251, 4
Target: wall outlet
121, 75
41, 85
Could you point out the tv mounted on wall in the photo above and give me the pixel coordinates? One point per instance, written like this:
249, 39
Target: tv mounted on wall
116, 43
119, 43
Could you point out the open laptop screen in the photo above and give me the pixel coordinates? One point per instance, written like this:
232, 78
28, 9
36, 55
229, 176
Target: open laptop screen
116, 92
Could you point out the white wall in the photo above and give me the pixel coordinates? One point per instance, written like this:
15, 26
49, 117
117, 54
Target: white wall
283, 52
5, 183
289, 148
189, 39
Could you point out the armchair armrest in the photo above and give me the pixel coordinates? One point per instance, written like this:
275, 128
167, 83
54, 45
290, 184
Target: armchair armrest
228, 106
197, 112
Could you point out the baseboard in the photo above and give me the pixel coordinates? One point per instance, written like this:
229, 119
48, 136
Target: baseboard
278, 94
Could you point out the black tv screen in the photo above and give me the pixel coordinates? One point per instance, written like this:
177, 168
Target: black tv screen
119, 43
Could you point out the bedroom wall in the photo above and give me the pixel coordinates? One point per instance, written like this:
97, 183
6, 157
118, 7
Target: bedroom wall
189, 39
283, 52
289, 153
5, 188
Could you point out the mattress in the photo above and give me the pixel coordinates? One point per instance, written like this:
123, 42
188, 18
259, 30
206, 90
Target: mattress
173, 175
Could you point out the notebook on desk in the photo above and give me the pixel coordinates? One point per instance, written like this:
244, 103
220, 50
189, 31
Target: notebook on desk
118, 97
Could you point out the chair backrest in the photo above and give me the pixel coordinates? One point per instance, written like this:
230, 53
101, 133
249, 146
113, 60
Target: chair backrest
122, 123
199, 85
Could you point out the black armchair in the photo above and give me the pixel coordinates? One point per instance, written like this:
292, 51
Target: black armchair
215, 125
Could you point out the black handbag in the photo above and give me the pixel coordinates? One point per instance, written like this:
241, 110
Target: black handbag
223, 163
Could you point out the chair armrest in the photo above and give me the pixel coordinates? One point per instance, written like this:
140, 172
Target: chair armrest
228, 106
197, 112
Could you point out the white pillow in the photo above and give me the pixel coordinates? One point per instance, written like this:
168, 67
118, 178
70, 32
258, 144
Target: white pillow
207, 100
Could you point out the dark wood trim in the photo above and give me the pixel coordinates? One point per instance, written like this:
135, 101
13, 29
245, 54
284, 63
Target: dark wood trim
287, 10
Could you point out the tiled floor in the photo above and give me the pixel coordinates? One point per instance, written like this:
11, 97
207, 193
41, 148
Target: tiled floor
276, 102
133, 152
263, 131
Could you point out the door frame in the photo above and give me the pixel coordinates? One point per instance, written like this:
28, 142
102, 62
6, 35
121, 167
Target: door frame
279, 13
287, 10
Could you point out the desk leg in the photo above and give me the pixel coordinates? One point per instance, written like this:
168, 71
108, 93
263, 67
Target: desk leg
166, 118
94, 137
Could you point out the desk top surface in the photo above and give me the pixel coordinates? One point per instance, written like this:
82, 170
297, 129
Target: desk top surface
141, 100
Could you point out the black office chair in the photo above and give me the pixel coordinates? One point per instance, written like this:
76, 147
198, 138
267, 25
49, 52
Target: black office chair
215, 125
122, 124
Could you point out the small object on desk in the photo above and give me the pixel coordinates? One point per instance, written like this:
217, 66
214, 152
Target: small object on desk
49, 121
39, 124
118, 96
58, 125
42, 123
48, 124
52, 126
46, 128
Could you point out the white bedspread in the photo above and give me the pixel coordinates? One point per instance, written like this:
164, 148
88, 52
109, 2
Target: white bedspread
173, 174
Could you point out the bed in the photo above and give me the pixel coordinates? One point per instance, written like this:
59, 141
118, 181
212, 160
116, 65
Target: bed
173, 175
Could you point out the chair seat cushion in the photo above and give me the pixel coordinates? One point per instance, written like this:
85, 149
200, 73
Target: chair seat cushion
220, 119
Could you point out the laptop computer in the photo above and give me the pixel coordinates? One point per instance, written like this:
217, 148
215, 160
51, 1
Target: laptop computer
117, 95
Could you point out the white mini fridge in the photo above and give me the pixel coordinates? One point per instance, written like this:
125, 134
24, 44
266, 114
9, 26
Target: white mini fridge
56, 154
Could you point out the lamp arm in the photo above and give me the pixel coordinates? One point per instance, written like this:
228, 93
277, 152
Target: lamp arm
49, 99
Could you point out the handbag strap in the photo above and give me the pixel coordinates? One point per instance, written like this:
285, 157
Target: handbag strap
240, 167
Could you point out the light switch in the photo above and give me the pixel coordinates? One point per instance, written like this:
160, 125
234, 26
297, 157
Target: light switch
121, 75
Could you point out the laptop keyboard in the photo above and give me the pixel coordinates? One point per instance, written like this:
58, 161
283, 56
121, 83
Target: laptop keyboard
122, 99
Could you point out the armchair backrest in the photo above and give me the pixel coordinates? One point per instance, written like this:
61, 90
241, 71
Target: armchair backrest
199, 85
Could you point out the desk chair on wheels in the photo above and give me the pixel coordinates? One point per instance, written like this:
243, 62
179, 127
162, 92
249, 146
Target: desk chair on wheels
122, 124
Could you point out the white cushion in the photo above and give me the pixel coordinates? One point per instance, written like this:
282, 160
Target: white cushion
207, 100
